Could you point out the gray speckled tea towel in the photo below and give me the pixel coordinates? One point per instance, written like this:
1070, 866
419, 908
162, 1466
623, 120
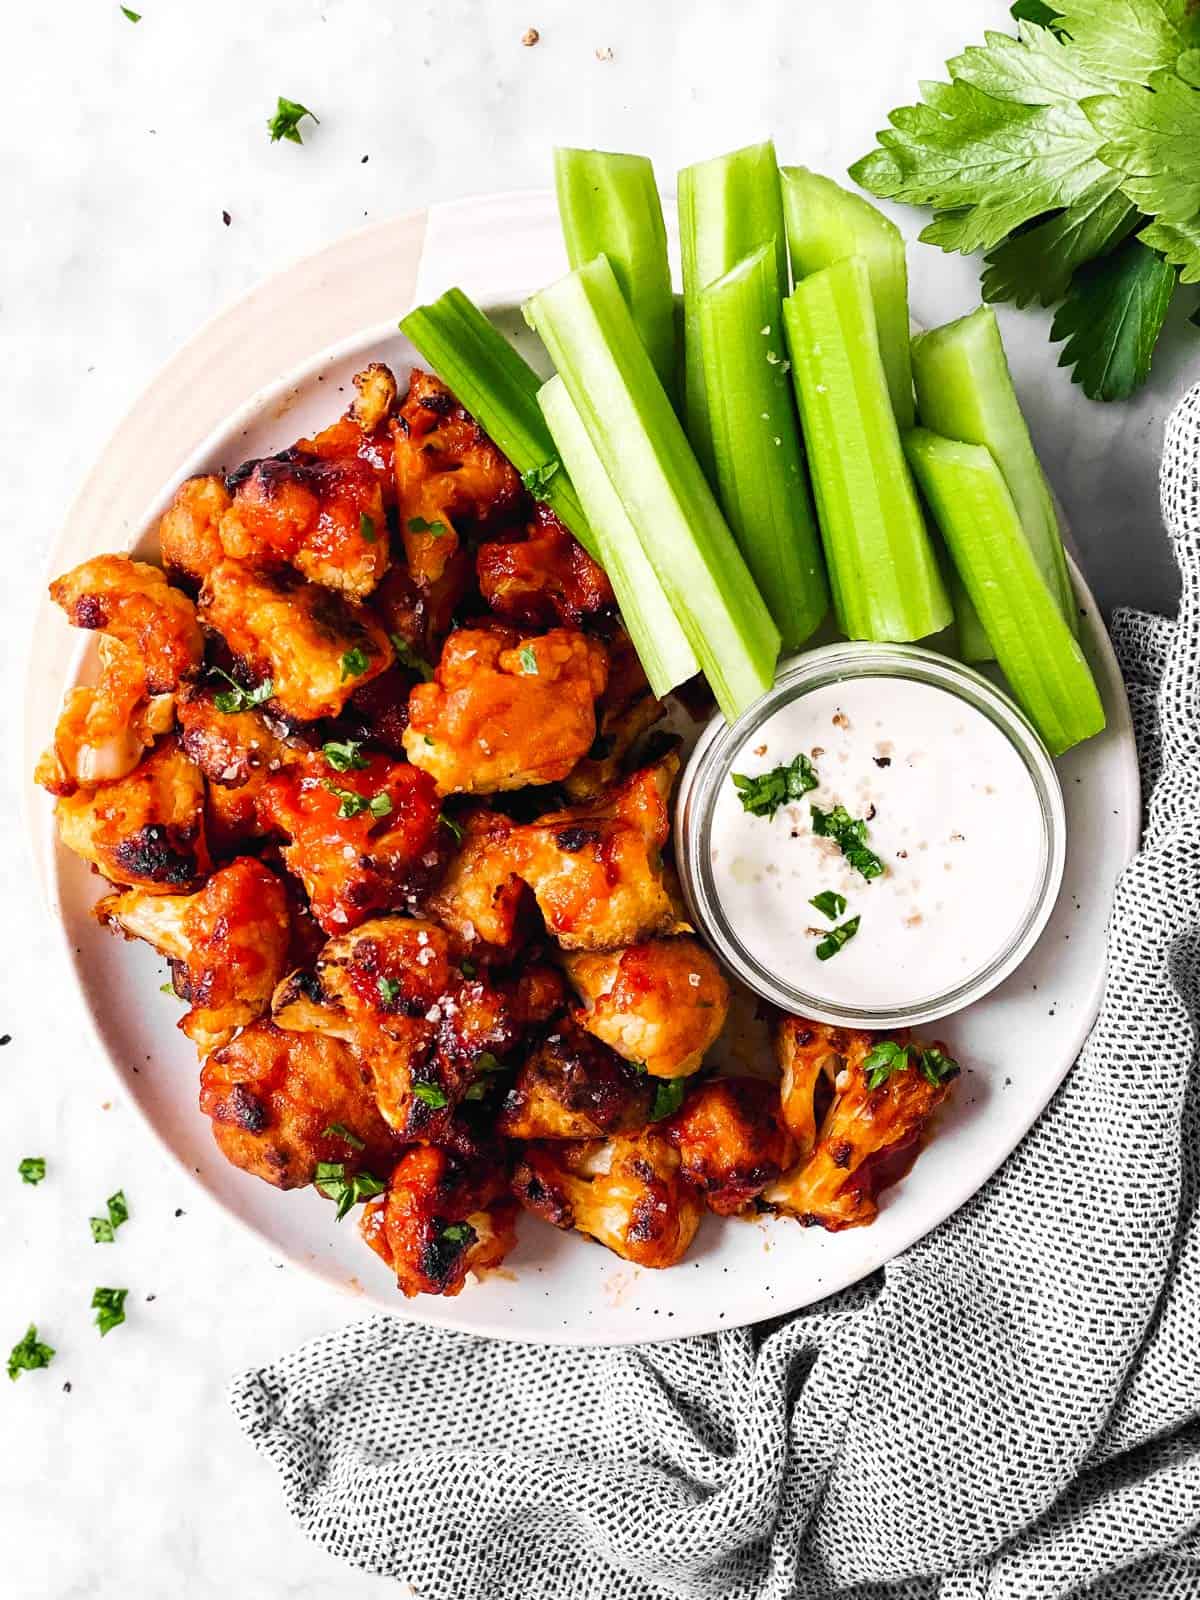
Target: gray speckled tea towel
1010, 1409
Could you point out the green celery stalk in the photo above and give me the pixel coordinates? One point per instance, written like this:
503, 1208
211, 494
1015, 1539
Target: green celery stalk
761, 478
586, 326
727, 208
500, 389
882, 567
609, 205
965, 391
1041, 658
660, 642
826, 223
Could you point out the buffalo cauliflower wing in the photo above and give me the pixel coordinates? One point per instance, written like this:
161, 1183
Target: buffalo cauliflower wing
572, 1087
445, 1214
314, 647
480, 899
542, 579
505, 710
731, 1141
104, 728
661, 1003
146, 830
870, 1135
281, 1103
189, 536
132, 602
227, 944
628, 1192
624, 712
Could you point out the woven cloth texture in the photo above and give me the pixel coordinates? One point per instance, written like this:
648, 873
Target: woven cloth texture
1008, 1411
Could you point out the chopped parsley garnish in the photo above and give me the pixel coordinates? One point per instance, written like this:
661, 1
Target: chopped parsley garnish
352, 803
459, 1233
104, 1228
829, 903
454, 827
419, 525
168, 987
234, 699
486, 1065
849, 834
763, 796
430, 1095
355, 662
467, 968
408, 657
109, 1306
389, 990
343, 755
836, 938
528, 659
32, 1169
668, 1097
537, 479
366, 528
134, 16
285, 124
339, 1130
29, 1354
333, 1183
934, 1065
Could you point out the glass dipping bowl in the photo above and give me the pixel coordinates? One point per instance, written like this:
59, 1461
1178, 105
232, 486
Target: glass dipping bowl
709, 768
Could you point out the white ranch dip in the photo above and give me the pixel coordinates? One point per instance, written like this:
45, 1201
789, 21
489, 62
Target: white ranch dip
951, 810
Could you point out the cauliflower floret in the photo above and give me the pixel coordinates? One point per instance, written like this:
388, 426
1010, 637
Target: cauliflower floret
133, 603
189, 538
228, 945
572, 1087
625, 711
280, 1103
480, 899
810, 1056
731, 1141
628, 1192
104, 728
504, 711
445, 1213
661, 1003
544, 578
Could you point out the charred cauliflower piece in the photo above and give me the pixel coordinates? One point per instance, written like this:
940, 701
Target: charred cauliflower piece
237, 751
628, 1192
480, 898
450, 478
362, 840
445, 1214
661, 1003
731, 1141
871, 1134
365, 430
504, 711
104, 728
625, 711
276, 1100
228, 945
810, 1056
572, 1087
146, 830
544, 578
189, 538
315, 647
596, 870
133, 603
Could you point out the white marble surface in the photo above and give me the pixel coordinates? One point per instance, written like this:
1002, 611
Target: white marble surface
121, 145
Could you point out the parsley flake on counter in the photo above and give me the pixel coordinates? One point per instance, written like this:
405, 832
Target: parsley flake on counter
419, 525
352, 803
32, 1169
168, 987
763, 796
836, 938
343, 755
333, 1183
29, 1354
339, 1130
668, 1097
366, 528
109, 1306
234, 699
829, 903
354, 663
849, 834
285, 124
133, 16
408, 657
104, 1228
537, 479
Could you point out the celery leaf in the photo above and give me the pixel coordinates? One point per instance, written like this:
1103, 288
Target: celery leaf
1037, 263
1130, 40
1152, 137
1111, 320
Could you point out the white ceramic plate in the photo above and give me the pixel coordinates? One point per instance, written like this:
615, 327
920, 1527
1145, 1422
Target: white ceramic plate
1016, 1045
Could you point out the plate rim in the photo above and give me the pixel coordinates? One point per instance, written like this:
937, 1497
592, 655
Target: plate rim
43, 843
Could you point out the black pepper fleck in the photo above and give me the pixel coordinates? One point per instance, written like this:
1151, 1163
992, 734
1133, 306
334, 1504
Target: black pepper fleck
882, 761
5, 1038
67, 1387
226, 218
179, 1211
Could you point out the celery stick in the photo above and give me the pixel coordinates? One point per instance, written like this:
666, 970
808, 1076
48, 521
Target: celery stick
965, 391
499, 388
761, 478
727, 208
660, 642
608, 205
1041, 658
826, 223
585, 325
882, 568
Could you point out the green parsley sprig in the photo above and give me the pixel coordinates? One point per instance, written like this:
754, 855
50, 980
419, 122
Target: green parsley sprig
849, 834
353, 803
837, 938
343, 755
109, 1306
234, 699
32, 1169
104, 1229
889, 1056
285, 124
333, 1183
764, 795
28, 1354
